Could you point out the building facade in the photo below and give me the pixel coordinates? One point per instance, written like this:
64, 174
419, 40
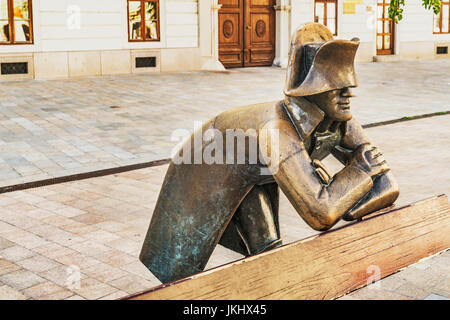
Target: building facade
50, 39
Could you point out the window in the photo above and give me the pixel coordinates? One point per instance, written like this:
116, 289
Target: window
385, 29
325, 12
441, 20
16, 23
143, 20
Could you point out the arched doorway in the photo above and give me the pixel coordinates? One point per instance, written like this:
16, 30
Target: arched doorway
246, 33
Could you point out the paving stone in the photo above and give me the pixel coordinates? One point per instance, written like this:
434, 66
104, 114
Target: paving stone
79, 229
21, 279
412, 290
37, 263
7, 229
77, 259
116, 295
94, 289
7, 266
89, 218
47, 291
138, 268
116, 258
20, 207
378, 294
16, 253
63, 275
90, 248
4, 244
131, 284
124, 245
102, 236
39, 214
69, 212
424, 278
104, 272
30, 241
58, 221
75, 297
8, 293
111, 226
5, 200
436, 297
393, 282
18, 221
53, 250
443, 287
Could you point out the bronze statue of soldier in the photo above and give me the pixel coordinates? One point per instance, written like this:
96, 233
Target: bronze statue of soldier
232, 203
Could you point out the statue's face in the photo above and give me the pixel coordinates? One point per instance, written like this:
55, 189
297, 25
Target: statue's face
335, 103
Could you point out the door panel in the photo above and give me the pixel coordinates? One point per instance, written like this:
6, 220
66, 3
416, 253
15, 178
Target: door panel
259, 44
385, 29
231, 40
246, 32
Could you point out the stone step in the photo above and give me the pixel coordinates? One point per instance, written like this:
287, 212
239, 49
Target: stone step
387, 58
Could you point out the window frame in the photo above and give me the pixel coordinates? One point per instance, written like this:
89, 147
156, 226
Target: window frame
12, 29
158, 20
447, 3
384, 4
325, 13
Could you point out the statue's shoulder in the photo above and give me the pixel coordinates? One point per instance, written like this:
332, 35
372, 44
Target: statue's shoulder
304, 115
250, 116
271, 113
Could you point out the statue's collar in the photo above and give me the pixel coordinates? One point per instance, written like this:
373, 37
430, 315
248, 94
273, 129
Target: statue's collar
304, 114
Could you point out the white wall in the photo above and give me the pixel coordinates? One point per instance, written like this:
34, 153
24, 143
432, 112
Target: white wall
417, 24
103, 26
361, 24
302, 11
182, 23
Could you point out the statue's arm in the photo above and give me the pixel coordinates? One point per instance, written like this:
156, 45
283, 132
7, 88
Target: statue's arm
383, 193
385, 188
320, 205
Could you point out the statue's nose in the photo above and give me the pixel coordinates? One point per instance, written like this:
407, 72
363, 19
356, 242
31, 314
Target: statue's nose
347, 92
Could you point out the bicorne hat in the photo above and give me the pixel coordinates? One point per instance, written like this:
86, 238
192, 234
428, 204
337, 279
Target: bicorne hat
318, 63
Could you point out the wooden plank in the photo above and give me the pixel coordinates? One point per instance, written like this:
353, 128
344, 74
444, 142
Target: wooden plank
328, 265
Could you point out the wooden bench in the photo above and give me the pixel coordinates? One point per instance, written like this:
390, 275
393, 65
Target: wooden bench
326, 266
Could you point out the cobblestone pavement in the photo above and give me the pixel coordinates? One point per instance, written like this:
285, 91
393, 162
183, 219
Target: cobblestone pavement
92, 230
62, 127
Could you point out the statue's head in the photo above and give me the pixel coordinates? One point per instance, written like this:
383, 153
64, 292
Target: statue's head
321, 69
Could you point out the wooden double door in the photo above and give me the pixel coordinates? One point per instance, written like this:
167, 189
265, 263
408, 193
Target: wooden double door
246, 33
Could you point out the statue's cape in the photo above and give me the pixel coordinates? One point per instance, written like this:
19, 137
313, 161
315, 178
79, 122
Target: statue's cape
186, 226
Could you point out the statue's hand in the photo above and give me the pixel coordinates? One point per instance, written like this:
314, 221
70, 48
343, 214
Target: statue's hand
371, 160
323, 173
